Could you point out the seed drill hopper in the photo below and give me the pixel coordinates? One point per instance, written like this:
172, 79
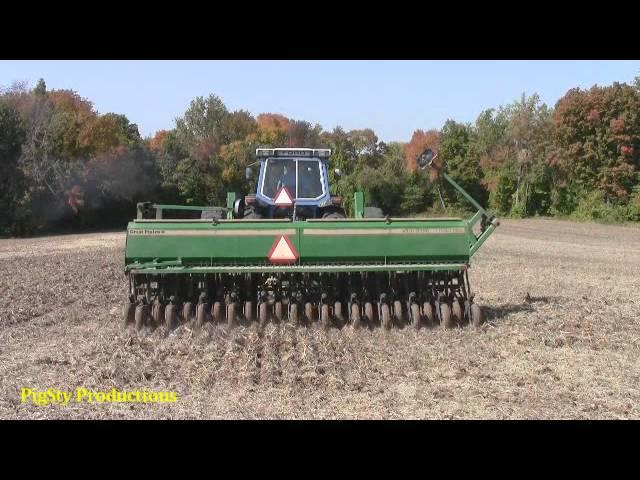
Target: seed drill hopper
289, 253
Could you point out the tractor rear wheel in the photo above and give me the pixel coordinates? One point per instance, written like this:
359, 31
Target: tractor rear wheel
250, 213
335, 213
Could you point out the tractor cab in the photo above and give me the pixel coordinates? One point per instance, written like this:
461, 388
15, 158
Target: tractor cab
293, 182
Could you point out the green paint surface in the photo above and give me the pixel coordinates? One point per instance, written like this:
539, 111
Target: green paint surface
408, 243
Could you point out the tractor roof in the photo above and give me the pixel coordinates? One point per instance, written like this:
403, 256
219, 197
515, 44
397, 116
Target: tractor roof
293, 152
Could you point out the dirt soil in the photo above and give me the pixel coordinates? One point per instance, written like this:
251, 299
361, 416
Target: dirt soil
562, 340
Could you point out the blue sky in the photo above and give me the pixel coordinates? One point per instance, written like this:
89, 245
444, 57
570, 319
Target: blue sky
392, 97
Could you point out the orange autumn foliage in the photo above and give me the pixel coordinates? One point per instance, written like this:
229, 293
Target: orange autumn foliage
157, 141
419, 142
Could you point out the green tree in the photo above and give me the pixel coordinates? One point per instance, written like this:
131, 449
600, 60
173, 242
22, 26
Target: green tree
343, 154
204, 120
596, 140
461, 164
102, 133
420, 141
511, 145
170, 153
233, 159
41, 88
488, 138
12, 182
273, 130
303, 134
200, 134
237, 126
383, 181
529, 136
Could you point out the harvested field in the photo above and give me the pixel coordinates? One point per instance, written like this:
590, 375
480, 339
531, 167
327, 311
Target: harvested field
562, 340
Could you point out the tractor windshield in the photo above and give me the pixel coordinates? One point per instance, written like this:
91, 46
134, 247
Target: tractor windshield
300, 177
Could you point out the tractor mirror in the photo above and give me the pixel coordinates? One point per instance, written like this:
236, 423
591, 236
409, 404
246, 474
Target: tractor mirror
248, 173
337, 172
426, 158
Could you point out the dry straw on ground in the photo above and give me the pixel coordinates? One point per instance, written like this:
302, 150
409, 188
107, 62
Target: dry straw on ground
562, 340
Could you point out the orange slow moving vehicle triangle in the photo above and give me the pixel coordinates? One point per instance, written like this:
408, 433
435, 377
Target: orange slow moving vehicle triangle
282, 251
283, 197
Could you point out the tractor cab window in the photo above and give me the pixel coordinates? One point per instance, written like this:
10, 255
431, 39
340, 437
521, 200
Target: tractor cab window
278, 174
301, 178
309, 183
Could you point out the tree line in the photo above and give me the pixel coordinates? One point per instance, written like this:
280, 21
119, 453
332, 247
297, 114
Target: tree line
65, 165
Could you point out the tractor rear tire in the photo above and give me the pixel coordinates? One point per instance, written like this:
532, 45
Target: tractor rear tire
251, 214
334, 213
